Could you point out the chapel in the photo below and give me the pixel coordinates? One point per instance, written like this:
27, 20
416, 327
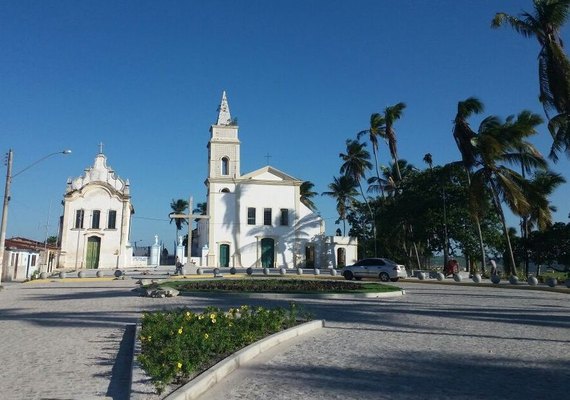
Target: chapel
258, 219
95, 226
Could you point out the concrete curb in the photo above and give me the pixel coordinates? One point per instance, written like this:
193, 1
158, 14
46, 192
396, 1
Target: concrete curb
273, 295
204, 381
200, 384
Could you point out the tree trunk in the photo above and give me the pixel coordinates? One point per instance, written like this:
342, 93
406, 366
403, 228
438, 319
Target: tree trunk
499, 209
478, 225
371, 216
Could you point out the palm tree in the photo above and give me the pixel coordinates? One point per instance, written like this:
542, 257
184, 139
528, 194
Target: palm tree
201, 208
356, 163
391, 115
307, 193
178, 207
464, 136
496, 145
343, 190
375, 130
553, 66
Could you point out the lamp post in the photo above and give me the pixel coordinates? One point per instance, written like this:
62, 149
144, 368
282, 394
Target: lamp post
9, 178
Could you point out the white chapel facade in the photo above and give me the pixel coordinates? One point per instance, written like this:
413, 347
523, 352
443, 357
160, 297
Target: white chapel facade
95, 226
258, 219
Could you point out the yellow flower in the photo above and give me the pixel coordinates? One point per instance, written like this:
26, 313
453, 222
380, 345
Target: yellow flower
188, 314
180, 331
179, 365
206, 336
212, 316
142, 338
200, 316
213, 320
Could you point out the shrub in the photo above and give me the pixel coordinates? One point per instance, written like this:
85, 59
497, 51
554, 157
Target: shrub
177, 345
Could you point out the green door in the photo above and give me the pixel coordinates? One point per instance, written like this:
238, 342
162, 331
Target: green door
93, 249
267, 253
224, 255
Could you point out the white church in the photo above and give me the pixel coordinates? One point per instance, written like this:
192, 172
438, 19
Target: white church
257, 219
95, 226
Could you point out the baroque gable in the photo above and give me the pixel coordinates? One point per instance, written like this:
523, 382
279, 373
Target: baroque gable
101, 175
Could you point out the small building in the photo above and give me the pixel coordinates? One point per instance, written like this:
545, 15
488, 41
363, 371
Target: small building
95, 226
23, 257
258, 219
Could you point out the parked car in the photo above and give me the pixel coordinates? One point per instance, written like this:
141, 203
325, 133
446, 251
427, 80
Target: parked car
382, 268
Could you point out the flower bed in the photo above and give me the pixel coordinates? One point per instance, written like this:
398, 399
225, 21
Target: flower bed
177, 345
281, 286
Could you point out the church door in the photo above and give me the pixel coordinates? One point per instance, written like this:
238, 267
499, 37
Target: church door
267, 253
224, 255
93, 250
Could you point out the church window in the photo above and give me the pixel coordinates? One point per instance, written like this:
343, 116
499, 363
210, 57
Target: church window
267, 216
225, 190
95, 219
225, 166
251, 216
112, 221
284, 217
79, 219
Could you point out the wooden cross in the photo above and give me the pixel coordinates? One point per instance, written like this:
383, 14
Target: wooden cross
190, 218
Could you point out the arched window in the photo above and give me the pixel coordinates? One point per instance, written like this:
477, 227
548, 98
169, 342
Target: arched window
225, 166
225, 190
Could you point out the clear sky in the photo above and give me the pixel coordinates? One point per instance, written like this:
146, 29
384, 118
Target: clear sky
145, 78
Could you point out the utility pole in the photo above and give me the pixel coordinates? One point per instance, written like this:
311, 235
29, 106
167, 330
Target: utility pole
5, 210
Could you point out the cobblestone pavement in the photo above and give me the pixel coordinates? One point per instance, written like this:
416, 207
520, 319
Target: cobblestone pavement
71, 340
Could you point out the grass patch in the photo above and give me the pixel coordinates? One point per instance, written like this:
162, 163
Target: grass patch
271, 285
177, 345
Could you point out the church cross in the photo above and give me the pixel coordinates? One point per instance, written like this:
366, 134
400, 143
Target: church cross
268, 156
100, 147
190, 218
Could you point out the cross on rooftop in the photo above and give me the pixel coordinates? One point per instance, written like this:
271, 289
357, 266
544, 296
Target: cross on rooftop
100, 147
268, 156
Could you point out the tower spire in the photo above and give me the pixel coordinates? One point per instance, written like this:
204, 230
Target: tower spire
224, 117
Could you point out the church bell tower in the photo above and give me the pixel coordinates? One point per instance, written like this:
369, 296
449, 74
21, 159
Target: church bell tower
224, 145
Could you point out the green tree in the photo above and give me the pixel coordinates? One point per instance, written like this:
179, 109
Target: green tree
553, 66
343, 190
391, 115
307, 194
201, 208
376, 130
356, 161
178, 207
464, 135
497, 145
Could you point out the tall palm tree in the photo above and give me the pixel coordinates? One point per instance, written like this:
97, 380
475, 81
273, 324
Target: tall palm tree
356, 163
428, 159
497, 145
178, 207
375, 130
391, 115
464, 136
553, 66
343, 190
307, 194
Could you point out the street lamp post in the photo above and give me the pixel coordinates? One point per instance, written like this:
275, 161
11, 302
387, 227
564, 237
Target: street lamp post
9, 178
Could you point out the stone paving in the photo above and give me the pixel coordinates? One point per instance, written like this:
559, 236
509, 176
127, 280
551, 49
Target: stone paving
71, 340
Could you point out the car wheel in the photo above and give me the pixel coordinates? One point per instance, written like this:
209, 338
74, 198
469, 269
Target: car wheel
394, 279
384, 277
348, 275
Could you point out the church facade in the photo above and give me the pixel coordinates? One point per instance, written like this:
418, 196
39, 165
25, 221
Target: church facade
95, 226
258, 219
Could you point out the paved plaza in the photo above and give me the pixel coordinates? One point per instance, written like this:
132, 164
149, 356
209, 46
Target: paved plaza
72, 340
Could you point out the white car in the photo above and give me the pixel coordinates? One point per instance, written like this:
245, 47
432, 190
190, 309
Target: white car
382, 268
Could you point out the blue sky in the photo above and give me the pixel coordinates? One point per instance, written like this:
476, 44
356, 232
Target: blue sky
145, 78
